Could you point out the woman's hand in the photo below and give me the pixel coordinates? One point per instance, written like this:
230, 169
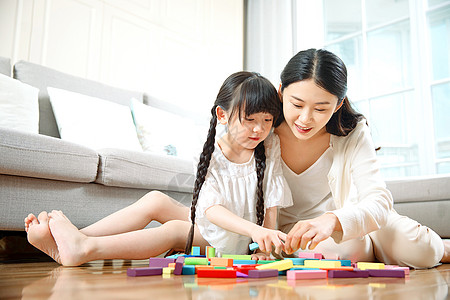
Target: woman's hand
267, 237
314, 230
260, 256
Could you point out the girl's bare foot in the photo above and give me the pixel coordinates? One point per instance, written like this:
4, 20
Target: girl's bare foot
446, 258
72, 244
39, 235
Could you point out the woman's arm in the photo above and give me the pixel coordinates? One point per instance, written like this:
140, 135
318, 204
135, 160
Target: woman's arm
265, 237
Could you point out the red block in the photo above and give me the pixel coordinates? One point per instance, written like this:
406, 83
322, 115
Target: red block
148, 271
216, 273
348, 274
386, 273
263, 273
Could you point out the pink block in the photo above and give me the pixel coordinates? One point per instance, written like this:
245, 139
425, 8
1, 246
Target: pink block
394, 267
160, 262
143, 271
310, 255
306, 274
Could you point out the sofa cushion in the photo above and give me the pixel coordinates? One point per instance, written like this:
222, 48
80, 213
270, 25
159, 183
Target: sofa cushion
43, 77
5, 66
420, 189
40, 156
122, 168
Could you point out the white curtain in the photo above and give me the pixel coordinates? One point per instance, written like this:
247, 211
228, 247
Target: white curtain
270, 36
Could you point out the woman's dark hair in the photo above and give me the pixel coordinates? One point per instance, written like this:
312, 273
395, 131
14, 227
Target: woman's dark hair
241, 93
329, 72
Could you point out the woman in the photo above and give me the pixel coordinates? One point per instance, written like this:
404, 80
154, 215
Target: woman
341, 205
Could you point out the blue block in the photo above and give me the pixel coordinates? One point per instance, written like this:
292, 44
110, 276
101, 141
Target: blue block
188, 270
253, 246
244, 262
195, 250
297, 261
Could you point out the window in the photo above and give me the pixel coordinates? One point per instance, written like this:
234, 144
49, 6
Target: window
397, 56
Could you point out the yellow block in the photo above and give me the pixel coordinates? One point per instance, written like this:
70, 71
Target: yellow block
366, 265
322, 264
168, 270
280, 265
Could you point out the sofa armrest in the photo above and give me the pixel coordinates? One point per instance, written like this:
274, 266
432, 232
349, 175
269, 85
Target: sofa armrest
40, 156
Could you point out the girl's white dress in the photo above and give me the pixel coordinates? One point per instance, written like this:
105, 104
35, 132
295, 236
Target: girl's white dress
234, 187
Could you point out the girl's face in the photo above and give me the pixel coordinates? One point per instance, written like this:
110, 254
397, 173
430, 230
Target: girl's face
249, 131
307, 108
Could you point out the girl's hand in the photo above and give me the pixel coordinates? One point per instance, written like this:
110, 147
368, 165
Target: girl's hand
260, 256
314, 230
267, 237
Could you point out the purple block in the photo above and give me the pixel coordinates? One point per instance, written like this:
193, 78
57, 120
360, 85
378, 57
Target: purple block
386, 273
239, 274
348, 274
160, 262
263, 273
147, 271
179, 262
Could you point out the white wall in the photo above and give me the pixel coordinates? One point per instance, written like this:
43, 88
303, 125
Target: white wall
175, 50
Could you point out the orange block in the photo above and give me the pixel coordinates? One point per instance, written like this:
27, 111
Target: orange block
221, 262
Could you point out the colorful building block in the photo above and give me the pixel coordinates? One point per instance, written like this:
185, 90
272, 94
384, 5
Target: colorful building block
241, 275
368, 265
263, 273
344, 262
278, 265
196, 261
245, 257
210, 252
306, 274
158, 262
220, 261
265, 262
309, 255
243, 262
195, 250
188, 270
348, 274
253, 246
168, 270
386, 273
216, 273
297, 261
179, 262
148, 271
322, 264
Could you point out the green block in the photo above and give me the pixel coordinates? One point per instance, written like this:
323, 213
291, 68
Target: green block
263, 262
240, 257
195, 261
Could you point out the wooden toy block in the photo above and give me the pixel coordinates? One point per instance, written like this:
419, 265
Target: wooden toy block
160, 262
322, 264
243, 262
245, 269
344, 262
216, 273
241, 275
297, 261
188, 270
171, 265
368, 265
405, 269
148, 271
265, 262
278, 265
301, 268
253, 246
306, 274
195, 250
386, 273
196, 261
263, 273
204, 267
168, 270
210, 252
179, 262
309, 255
348, 274
245, 257
220, 261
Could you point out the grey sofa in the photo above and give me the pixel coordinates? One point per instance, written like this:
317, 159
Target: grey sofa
42, 172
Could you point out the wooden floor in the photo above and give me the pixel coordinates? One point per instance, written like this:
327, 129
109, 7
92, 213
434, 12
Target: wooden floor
108, 280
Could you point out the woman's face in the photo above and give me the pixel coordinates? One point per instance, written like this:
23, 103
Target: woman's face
307, 108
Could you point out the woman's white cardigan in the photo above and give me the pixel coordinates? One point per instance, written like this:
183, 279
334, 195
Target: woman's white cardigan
362, 200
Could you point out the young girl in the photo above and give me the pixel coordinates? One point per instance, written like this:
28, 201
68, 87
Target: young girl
329, 161
239, 182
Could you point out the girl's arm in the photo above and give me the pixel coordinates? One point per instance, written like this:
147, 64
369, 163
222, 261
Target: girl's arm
265, 237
